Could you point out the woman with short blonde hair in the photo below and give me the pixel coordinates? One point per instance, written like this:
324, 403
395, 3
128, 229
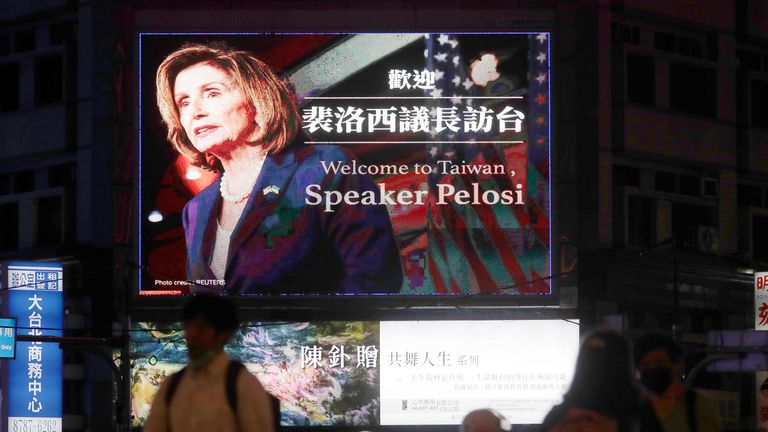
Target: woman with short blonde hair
253, 231
256, 80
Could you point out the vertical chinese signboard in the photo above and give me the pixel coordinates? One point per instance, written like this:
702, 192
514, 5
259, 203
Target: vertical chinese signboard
761, 300
33, 379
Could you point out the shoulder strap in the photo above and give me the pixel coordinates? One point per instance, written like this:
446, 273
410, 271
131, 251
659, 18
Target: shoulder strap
173, 384
690, 410
232, 372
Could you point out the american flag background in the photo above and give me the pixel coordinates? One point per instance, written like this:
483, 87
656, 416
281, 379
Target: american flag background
448, 248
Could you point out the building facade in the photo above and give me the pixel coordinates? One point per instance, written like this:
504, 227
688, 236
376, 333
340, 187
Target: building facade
660, 154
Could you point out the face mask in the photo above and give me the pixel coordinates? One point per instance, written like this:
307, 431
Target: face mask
656, 379
203, 360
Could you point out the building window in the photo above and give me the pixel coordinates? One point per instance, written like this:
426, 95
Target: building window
641, 79
664, 41
749, 60
5, 44
692, 89
24, 40
713, 49
5, 184
49, 79
690, 185
759, 103
665, 182
750, 196
686, 220
24, 181
690, 47
640, 221
626, 175
625, 33
9, 226
759, 234
49, 215
62, 32
61, 175
9, 91
698, 45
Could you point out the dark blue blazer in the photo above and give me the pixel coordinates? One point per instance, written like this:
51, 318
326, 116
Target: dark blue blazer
282, 245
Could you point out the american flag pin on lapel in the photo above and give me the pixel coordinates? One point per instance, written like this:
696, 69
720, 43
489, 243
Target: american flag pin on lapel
270, 189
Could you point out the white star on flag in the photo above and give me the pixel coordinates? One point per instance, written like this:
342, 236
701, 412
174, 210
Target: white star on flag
441, 57
436, 93
541, 78
455, 99
456, 80
454, 43
456, 60
541, 37
439, 74
426, 53
541, 58
443, 39
467, 83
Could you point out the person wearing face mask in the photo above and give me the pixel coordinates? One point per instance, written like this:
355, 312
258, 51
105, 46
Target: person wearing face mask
213, 393
659, 360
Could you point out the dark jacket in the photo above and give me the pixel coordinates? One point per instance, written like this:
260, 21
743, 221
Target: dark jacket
637, 417
282, 245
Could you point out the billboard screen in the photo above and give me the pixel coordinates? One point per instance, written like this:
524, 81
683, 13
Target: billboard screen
383, 373
352, 164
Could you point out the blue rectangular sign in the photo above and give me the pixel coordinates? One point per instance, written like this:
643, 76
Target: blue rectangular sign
7, 338
35, 299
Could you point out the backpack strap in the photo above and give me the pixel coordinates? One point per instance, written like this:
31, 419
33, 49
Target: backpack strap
173, 384
690, 410
232, 372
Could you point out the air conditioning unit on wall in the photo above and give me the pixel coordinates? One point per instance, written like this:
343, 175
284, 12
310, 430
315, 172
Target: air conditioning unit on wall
707, 239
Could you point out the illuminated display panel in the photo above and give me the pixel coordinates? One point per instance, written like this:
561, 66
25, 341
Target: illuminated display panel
421, 166
383, 373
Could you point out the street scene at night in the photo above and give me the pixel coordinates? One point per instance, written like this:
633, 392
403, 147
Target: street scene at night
395, 216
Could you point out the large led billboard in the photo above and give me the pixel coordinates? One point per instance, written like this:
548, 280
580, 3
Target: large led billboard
389, 373
392, 163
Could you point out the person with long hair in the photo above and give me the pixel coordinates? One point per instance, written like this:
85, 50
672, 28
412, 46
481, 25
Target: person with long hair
603, 395
226, 111
660, 362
